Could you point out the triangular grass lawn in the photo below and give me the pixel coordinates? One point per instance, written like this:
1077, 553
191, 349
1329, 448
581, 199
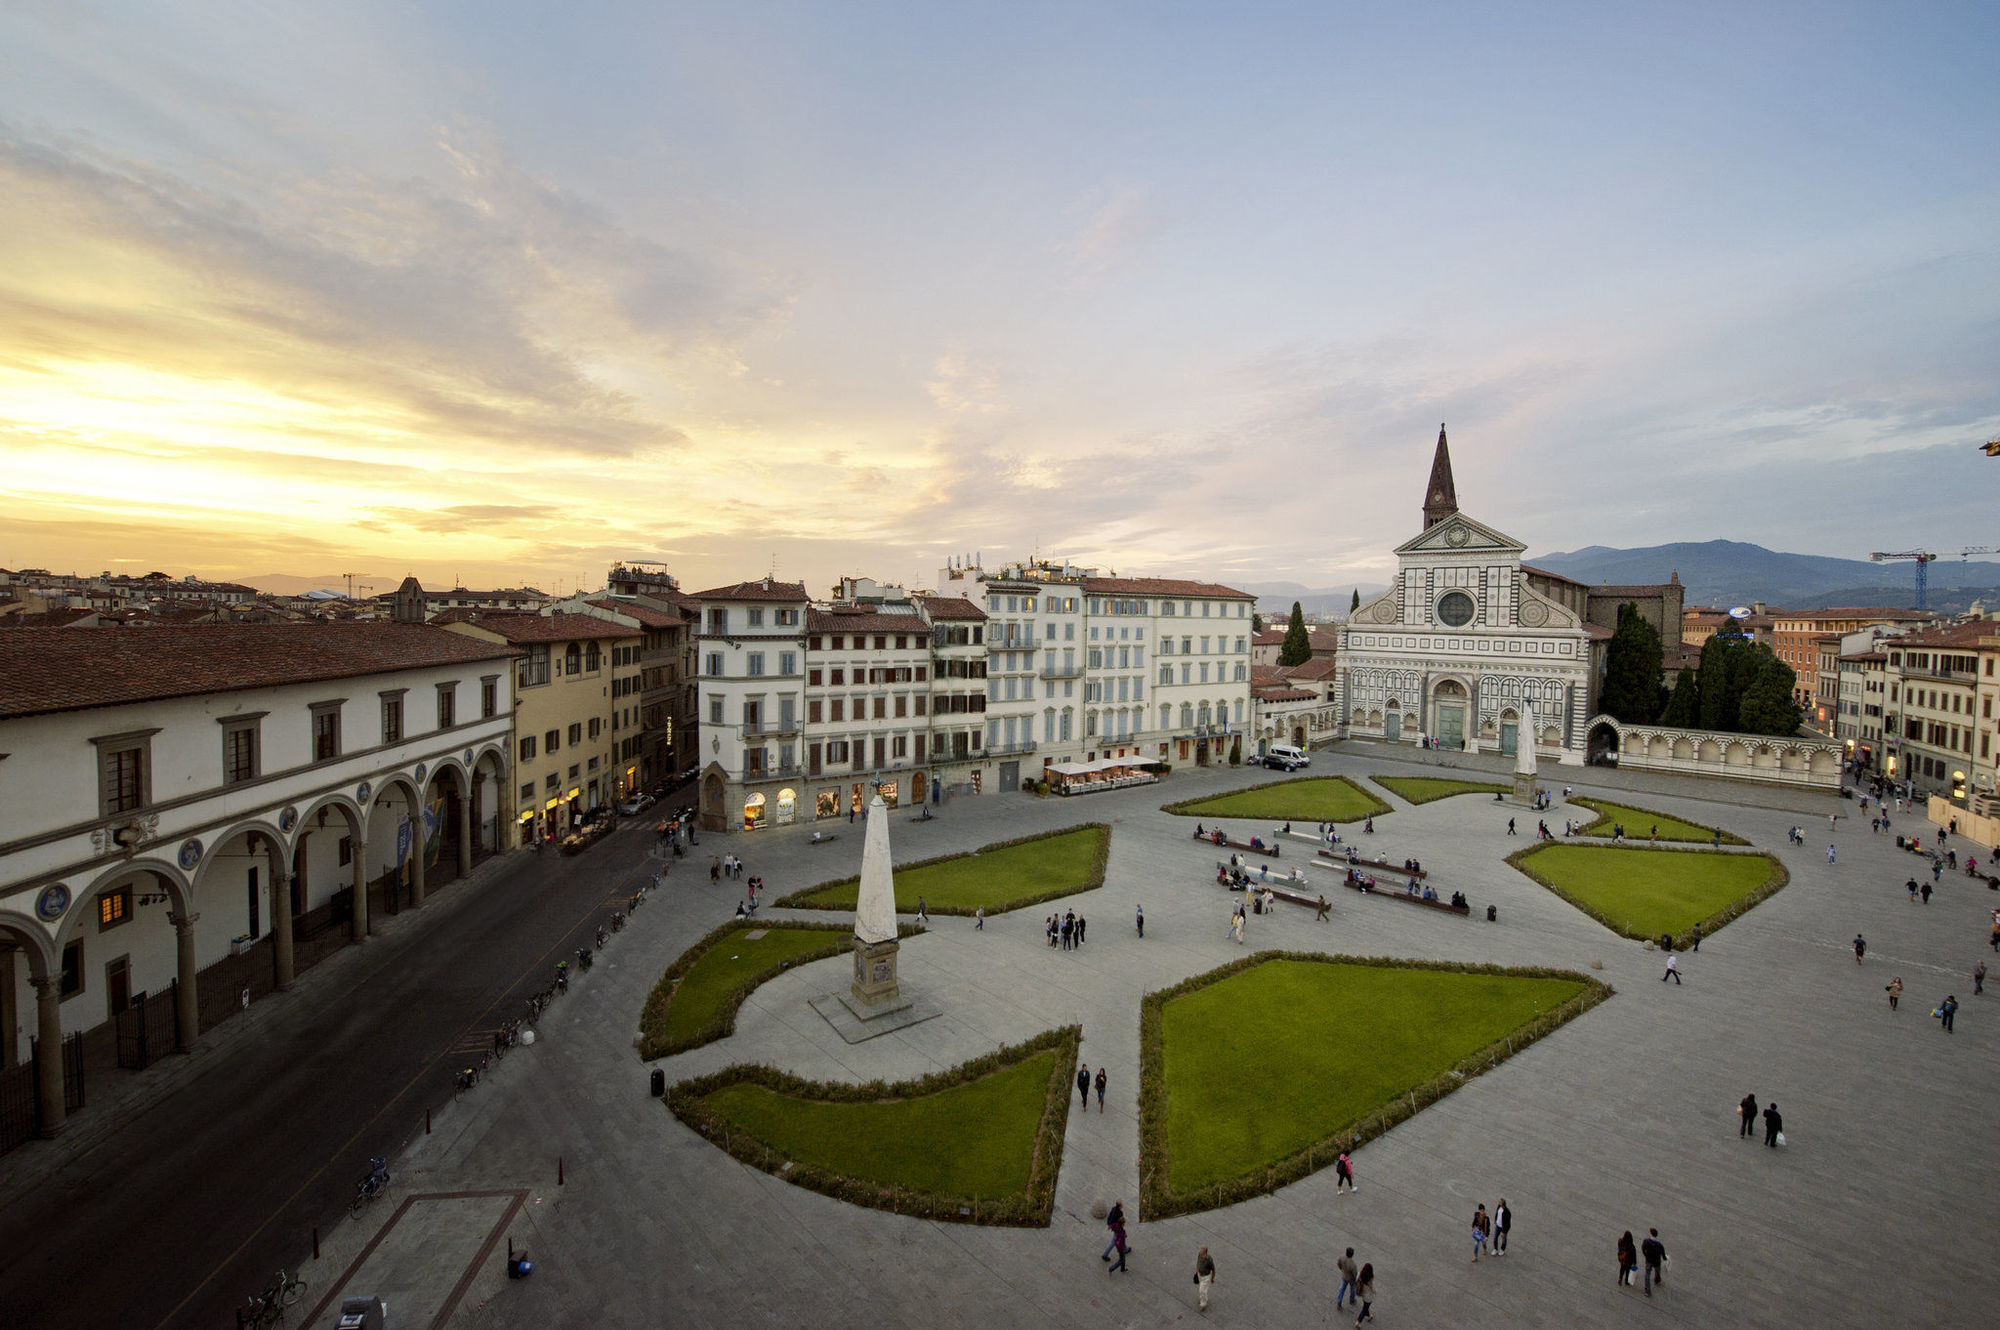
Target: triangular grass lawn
979, 1143
1313, 800
1423, 789
1002, 876
1261, 1072
1641, 823
1645, 893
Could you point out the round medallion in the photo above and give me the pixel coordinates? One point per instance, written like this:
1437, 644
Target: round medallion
287, 819
52, 902
1455, 609
190, 854
361, 795
1457, 537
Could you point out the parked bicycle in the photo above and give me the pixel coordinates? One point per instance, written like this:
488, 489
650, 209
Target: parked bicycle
372, 1186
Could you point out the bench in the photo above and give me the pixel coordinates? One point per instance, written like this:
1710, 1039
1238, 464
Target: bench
1395, 870
1347, 880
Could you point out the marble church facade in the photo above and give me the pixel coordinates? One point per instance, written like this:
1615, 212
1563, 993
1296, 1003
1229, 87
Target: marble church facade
1462, 637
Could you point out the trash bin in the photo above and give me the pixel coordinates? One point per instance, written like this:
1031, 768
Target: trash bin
363, 1314
659, 1082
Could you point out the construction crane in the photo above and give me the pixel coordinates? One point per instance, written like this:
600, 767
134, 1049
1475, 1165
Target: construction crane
1924, 559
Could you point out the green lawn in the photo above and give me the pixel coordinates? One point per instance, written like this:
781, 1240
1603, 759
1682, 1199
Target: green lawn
1274, 1058
1318, 799
1640, 822
1000, 877
1423, 789
976, 1139
696, 1002
1643, 893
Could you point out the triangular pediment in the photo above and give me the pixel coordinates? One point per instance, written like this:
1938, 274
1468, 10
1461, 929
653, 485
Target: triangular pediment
1459, 534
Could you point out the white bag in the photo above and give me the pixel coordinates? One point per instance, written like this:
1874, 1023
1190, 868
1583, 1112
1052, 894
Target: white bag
1781, 1138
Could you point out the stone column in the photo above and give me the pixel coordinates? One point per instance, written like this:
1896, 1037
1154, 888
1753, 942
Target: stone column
49, 1070
465, 834
187, 992
417, 857
282, 964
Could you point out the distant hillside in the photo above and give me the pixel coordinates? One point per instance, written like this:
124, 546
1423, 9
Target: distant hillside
1730, 572
1275, 598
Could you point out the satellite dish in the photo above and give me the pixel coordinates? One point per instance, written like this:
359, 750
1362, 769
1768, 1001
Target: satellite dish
1740, 612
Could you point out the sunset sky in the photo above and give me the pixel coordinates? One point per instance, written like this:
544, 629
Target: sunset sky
502, 292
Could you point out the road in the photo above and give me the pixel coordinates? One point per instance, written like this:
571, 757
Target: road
185, 1213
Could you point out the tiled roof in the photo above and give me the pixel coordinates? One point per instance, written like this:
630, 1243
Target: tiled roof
950, 607
550, 627
70, 669
764, 589
1161, 586
864, 621
645, 614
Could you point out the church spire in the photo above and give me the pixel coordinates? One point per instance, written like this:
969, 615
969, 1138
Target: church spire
1441, 495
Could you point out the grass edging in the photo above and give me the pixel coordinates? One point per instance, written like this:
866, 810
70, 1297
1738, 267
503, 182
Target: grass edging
1092, 880
654, 1043
1028, 1209
1780, 878
1390, 783
1604, 821
1378, 806
1158, 1200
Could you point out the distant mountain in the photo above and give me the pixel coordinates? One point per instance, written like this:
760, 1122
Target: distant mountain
1730, 572
1274, 599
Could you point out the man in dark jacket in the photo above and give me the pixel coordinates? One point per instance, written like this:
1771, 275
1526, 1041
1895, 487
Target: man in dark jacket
1654, 1252
1773, 1124
1748, 1109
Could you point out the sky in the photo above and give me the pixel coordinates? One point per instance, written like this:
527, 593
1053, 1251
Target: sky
499, 293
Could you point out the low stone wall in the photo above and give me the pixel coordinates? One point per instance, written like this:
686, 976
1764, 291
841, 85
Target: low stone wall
1771, 759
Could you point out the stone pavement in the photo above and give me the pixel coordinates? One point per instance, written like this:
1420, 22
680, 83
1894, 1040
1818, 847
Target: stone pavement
1622, 1119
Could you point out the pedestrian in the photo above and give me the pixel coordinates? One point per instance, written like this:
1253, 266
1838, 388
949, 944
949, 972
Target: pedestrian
1113, 1221
1946, 1010
1748, 1111
1503, 1223
1979, 978
1656, 1257
1925, 892
1083, 1085
1673, 969
1343, 1174
979, 919
1204, 1276
1349, 1277
1628, 1259
1139, 917
1510, 826
1364, 1293
1895, 991
1100, 1090
1694, 938
1482, 1224
1860, 948
1774, 1123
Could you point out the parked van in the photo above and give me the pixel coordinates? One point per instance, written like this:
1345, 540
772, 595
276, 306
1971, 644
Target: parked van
1287, 757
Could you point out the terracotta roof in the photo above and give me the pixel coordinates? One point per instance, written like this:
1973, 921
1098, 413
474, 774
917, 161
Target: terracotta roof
864, 620
1161, 586
645, 614
70, 669
550, 627
764, 589
950, 607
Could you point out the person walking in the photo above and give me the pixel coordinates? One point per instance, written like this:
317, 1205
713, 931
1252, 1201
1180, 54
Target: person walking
1083, 1085
1673, 969
1343, 1174
1628, 1259
1895, 991
1946, 1010
1482, 1225
1349, 1276
1503, 1224
1747, 1110
1100, 1089
1139, 917
1204, 1277
1364, 1293
1925, 892
1978, 978
1655, 1253
1113, 1221
1860, 948
1774, 1123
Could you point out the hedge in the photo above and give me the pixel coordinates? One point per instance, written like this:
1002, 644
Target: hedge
1780, 878
798, 900
1157, 1197
1030, 1209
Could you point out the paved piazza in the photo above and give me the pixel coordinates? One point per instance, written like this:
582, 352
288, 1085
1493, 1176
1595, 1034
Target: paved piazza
1877, 1213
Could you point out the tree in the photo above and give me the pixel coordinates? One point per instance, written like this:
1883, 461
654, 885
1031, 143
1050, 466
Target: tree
1256, 622
1632, 669
1684, 707
1767, 706
1298, 647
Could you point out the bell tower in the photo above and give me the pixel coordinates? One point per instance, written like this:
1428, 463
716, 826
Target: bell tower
1441, 495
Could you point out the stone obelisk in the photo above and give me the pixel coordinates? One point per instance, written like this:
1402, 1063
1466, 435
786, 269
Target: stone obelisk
875, 986
1524, 755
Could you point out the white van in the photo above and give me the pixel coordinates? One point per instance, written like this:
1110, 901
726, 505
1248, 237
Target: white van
1287, 757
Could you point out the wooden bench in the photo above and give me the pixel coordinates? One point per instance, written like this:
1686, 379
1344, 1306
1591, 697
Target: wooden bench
1446, 906
1396, 870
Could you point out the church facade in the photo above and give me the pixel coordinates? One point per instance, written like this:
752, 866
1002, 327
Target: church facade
1468, 647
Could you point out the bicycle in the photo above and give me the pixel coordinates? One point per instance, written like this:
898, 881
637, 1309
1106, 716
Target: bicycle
371, 1186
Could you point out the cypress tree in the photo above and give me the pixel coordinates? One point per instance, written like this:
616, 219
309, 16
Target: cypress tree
1298, 647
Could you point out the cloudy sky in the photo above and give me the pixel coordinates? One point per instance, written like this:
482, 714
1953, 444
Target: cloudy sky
503, 291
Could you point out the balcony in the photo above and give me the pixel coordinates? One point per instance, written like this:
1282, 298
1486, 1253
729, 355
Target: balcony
1061, 671
767, 729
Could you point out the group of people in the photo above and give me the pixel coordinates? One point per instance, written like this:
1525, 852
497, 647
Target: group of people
1065, 930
